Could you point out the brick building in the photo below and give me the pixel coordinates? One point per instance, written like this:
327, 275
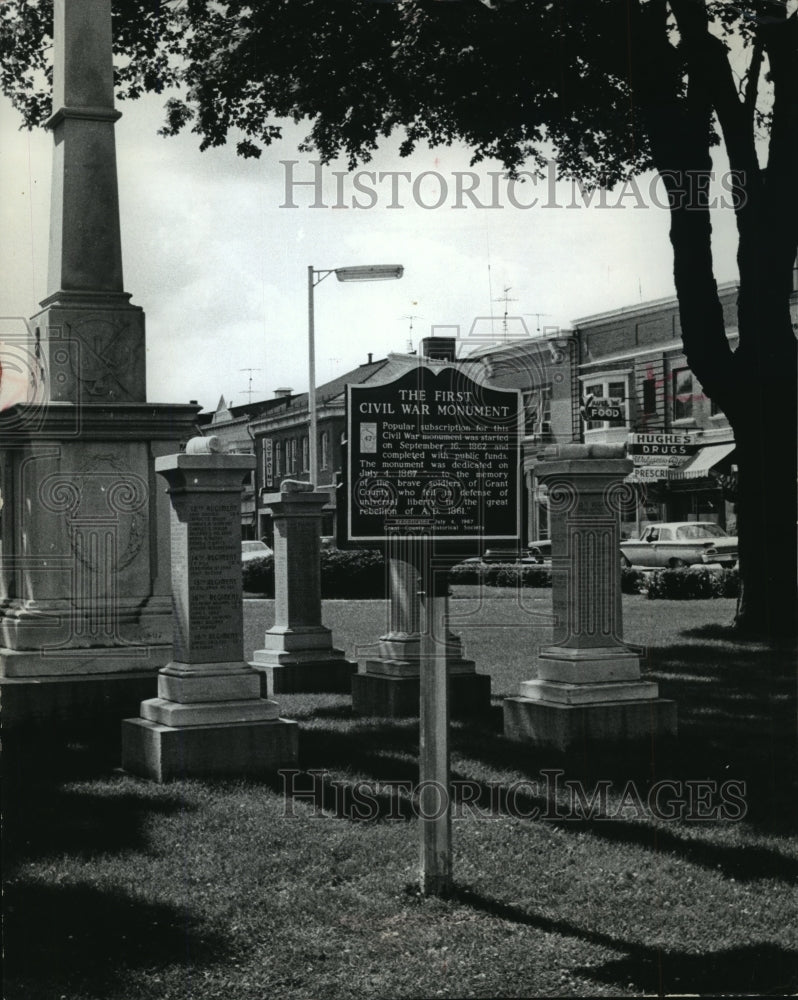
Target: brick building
681, 444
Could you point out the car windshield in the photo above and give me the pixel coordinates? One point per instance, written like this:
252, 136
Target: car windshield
253, 546
692, 532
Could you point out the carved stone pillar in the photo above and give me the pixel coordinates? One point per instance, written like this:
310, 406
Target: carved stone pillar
209, 717
298, 653
588, 684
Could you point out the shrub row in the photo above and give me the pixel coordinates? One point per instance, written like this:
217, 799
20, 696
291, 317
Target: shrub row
692, 583
501, 574
359, 573
633, 581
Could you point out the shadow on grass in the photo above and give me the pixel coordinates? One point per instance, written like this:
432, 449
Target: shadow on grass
758, 969
78, 939
391, 774
46, 812
43, 820
65, 936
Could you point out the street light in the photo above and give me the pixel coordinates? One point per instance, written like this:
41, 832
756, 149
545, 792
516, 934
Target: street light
368, 272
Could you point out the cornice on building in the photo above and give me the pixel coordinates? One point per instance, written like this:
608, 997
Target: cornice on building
642, 308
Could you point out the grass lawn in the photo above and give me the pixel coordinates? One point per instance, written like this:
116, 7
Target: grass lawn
118, 889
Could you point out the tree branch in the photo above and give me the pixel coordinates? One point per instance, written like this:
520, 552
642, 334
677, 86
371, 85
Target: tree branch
752, 81
679, 129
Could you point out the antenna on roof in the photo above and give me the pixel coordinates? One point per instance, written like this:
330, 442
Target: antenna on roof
410, 330
537, 319
250, 370
505, 298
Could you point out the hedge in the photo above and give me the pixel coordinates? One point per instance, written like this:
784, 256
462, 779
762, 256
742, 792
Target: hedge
692, 583
360, 573
501, 574
633, 581
356, 573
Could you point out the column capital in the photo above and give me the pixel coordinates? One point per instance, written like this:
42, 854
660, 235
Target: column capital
296, 499
211, 473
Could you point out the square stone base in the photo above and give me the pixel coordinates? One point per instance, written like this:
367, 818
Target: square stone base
162, 753
567, 727
328, 676
72, 703
399, 697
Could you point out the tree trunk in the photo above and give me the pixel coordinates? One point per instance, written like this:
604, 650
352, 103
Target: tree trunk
755, 386
767, 441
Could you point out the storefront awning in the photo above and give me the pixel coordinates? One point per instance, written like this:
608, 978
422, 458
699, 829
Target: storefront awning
704, 459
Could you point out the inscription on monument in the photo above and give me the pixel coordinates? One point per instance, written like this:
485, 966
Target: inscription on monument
205, 548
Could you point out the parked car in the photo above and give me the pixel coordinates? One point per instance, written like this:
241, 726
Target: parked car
680, 543
540, 550
529, 556
254, 550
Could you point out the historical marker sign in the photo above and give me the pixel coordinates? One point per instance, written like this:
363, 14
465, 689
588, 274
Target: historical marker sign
435, 450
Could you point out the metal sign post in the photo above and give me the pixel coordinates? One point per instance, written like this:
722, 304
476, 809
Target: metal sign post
435, 817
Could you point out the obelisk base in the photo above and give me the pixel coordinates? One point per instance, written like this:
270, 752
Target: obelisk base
69, 704
299, 662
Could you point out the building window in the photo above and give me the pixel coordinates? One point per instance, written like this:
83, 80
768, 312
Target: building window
537, 411
305, 454
325, 449
278, 460
649, 397
292, 467
682, 385
613, 392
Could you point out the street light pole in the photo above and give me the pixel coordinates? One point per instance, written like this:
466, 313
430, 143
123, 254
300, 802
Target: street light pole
369, 272
312, 465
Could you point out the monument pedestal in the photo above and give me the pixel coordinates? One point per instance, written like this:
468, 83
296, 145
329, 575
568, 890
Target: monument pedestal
588, 688
85, 606
584, 696
165, 753
389, 685
298, 654
209, 717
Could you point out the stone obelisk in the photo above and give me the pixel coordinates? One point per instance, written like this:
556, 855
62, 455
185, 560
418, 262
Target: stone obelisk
85, 603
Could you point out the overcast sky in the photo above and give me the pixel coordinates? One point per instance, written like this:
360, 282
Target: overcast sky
220, 266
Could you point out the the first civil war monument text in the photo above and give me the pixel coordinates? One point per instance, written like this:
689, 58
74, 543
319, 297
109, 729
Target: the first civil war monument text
433, 450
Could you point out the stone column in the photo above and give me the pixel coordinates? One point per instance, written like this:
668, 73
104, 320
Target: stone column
588, 685
388, 685
209, 717
298, 653
85, 620
91, 338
